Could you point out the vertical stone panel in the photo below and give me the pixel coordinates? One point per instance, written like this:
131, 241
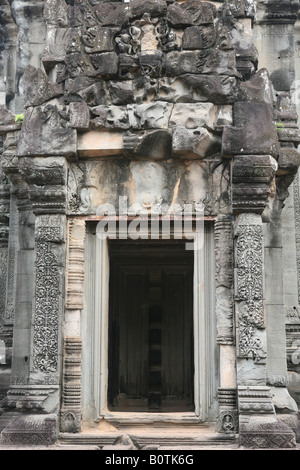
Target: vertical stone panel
4, 236
224, 279
48, 306
228, 414
75, 271
250, 314
71, 413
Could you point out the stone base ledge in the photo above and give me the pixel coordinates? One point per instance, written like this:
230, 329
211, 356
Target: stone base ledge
262, 434
30, 430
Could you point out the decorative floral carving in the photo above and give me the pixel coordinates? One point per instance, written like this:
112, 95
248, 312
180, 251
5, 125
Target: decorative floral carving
249, 263
296, 193
49, 231
3, 274
47, 294
249, 291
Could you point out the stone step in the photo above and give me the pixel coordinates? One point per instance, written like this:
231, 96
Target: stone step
149, 439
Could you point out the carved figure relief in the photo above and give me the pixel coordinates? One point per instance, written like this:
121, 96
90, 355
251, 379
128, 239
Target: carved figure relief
129, 42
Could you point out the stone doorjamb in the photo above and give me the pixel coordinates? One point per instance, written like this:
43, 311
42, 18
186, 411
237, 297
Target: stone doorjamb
94, 328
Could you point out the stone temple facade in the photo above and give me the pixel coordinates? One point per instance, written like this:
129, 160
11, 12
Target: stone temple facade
159, 104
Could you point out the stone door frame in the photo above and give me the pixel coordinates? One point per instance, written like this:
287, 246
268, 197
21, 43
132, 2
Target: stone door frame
95, 351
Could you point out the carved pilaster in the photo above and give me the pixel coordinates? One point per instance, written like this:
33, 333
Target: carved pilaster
228, 415
71, 397
75, 263
9, 164
36, 375
4, 232
250, 314
48, 306
258, 423
296, 191
46, 179
71, 403
224, 279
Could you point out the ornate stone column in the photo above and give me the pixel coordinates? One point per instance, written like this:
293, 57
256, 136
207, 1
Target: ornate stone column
71, 413
4, 254
38, 393
253, 144
228, 416
9, 220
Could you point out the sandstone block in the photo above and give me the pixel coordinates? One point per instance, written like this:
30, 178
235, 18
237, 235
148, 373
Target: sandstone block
105, 64
196, 37
178, 16
112, 13
38, 88
101, 39
79, 115
154, 144
194, 143
201, 12
121, 92
149, 116
98, 144
111, 117
254, 132
153, 8
193, 115
45, 132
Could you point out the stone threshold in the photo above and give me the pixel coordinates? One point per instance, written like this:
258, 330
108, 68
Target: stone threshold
153, 436
173, 419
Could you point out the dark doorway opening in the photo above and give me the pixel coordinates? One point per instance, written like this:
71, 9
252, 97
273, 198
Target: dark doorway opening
151, 362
